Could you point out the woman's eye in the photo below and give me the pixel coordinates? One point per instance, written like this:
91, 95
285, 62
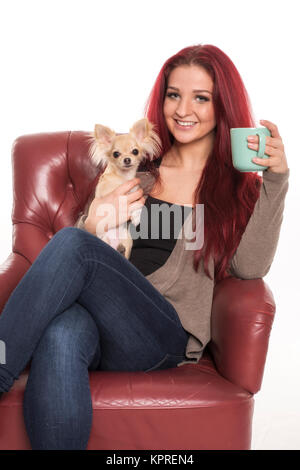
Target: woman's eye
202, 98
135, 152
171, 95
116, 154
199, 98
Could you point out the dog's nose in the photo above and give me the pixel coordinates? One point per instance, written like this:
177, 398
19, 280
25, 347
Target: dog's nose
127, 161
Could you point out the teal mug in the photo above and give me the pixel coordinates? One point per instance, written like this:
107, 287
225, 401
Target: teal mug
241, 154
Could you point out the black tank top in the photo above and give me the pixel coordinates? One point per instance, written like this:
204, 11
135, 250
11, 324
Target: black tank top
149, 254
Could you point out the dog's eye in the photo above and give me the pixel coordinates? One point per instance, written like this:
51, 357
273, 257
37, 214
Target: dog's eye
135, 152
116, 154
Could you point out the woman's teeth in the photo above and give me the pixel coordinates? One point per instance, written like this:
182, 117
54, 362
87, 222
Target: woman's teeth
186, 123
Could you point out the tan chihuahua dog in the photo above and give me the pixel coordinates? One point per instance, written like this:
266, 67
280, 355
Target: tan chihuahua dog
122, 154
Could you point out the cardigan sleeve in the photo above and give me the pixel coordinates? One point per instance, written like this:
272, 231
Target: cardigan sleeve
82, 216
256, 250
80, 221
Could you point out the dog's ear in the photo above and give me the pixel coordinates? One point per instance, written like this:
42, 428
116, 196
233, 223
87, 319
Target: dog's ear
140, 130
101, 141
104, 134
146, 138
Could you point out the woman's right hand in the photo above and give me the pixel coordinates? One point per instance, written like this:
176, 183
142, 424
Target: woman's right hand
109, 211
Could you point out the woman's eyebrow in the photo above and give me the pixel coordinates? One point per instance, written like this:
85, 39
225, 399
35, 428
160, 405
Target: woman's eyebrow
194, 91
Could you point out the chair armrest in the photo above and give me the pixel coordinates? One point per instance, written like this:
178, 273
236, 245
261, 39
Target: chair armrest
28, 241
11, 272
242, 317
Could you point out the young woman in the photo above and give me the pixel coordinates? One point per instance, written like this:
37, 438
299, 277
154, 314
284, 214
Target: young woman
83, 306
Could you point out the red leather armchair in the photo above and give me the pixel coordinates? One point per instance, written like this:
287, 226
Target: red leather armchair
196, 406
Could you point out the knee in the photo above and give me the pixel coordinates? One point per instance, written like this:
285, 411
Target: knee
71, 234
69, 239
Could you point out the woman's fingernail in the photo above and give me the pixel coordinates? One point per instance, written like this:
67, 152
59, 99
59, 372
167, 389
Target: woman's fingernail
251, 138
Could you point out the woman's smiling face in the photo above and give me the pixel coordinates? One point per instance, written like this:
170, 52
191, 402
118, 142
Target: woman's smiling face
188, 106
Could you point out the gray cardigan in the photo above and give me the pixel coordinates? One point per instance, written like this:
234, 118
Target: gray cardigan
191, 292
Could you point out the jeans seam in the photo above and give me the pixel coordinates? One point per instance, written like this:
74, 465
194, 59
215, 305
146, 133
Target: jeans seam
91, 276
66, 290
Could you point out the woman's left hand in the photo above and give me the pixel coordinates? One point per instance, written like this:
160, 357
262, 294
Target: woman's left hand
277, 161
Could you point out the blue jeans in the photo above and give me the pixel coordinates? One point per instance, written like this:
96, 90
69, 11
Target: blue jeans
81, 306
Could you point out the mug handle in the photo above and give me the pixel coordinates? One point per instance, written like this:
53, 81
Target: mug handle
262, 145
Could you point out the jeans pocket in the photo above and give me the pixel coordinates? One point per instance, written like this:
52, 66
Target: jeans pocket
169, 361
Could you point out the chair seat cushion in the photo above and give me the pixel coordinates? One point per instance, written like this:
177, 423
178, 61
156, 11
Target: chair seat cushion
187, 407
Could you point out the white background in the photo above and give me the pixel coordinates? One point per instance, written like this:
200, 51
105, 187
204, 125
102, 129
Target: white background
67, 64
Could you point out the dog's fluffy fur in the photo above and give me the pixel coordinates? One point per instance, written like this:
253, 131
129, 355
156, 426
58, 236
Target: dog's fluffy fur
121, 155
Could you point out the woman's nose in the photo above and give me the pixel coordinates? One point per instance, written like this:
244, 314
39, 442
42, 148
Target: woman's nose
184, 108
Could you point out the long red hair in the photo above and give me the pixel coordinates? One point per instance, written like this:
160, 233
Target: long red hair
228, 195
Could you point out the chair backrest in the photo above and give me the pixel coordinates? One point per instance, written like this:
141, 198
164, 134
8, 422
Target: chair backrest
53, 177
